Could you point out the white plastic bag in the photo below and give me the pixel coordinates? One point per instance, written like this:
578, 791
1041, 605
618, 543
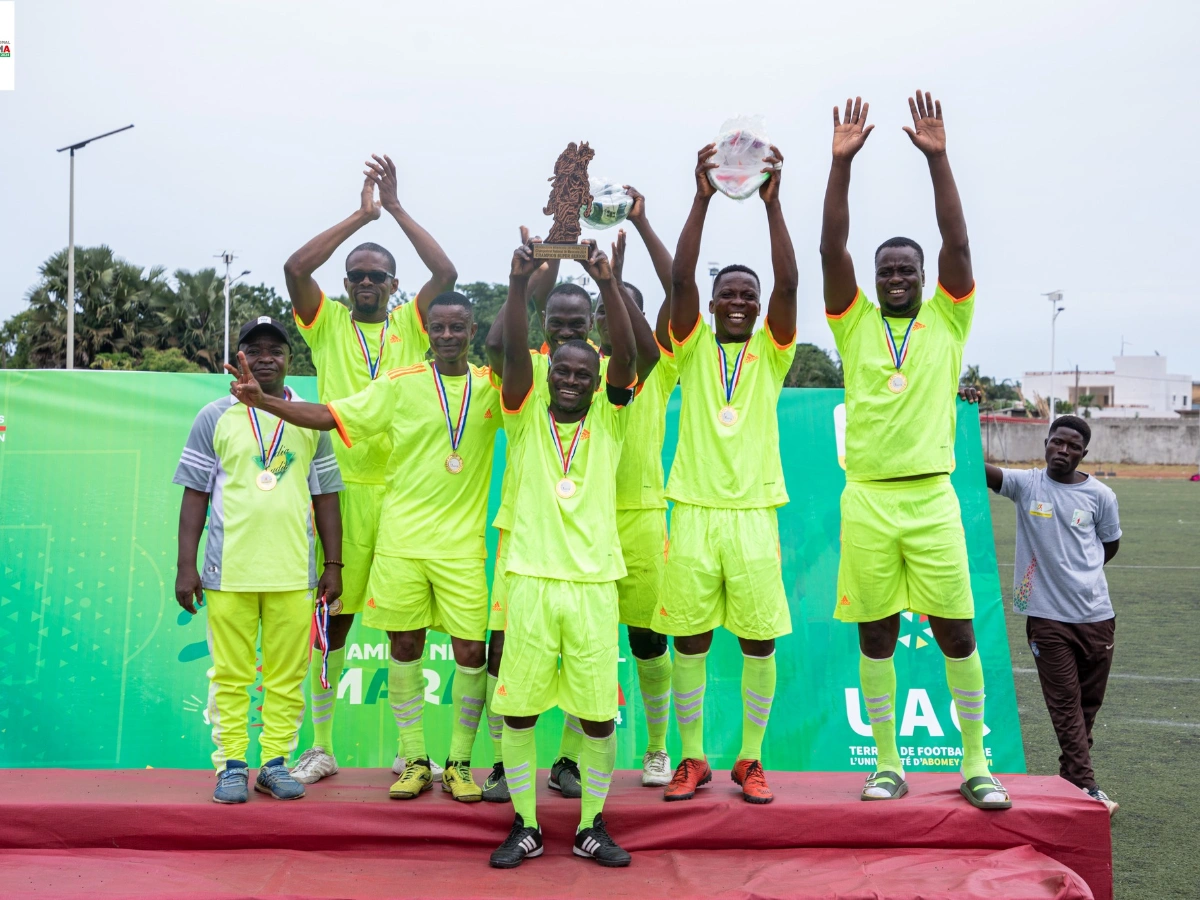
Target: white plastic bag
610, 205
741, 146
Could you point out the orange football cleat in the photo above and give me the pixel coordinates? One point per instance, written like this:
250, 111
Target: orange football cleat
749, 774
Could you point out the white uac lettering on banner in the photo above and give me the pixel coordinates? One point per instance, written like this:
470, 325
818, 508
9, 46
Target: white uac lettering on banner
854, 714
918, 713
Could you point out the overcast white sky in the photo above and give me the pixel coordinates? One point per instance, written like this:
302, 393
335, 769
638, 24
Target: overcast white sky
1072, 129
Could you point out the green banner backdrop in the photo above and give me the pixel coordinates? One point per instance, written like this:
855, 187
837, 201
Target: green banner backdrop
99, 667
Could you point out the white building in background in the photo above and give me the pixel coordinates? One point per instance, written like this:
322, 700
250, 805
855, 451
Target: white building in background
1135, 386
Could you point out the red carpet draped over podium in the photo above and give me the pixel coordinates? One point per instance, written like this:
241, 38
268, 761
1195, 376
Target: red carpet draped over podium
155, 833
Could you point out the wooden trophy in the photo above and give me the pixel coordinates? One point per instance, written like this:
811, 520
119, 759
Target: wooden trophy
569, 193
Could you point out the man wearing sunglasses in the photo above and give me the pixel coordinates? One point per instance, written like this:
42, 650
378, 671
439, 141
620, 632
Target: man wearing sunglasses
351, 347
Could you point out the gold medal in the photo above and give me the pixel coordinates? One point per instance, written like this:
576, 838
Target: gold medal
727, 416
565, 488
897, 383
454, 463
335, 607
266, 481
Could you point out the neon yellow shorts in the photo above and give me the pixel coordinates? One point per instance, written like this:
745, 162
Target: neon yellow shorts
497, 610
903, 548
548, 618
360, 505
447, 595
724, 569
643, 534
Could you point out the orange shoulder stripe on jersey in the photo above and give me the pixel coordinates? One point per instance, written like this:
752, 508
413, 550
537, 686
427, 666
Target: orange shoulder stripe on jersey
320, 308
771, 335
842, 314
684, 340
414, 369
661, 348
341, 429
513, 412
954, 299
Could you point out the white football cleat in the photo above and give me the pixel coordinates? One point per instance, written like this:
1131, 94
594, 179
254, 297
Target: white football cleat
313, 765
656, 769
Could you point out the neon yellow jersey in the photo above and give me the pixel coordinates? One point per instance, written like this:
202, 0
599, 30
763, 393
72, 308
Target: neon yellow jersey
572, 538
640, 472
342, 370
890, 433
429, 512
512, 466
723, 464
258, 540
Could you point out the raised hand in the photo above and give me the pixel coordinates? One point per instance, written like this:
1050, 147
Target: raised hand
367, 204
774, 169
970, 393
523, 263
597, 265
928, 133
638, 210
704, 165
618, 256
382, 172
245, 386
850, 129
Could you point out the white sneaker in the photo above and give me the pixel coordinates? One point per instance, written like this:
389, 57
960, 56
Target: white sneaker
656, 769
1096, 794
399, 762
313, 765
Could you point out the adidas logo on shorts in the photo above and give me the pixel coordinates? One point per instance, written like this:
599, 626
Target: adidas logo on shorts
662, 611
845, 600
371, 603
497, 607
501, 691
395, 339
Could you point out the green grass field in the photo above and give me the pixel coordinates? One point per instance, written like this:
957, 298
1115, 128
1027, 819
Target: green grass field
1148, 732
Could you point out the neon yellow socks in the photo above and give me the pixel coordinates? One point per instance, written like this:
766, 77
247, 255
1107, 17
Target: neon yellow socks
758, 693
965, 679
520, 768
324, 700
878, 679
572, 739
468, 697
687, 684
654, 676
495, 722
406, 693
596, 762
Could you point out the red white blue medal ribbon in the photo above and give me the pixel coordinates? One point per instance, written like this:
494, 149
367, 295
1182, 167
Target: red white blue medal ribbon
565, 457
898, 355
372, 367
455, 431
268, 453
321, 634
730, 381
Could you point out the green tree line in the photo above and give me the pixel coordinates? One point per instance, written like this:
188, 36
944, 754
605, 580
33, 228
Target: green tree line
130, 317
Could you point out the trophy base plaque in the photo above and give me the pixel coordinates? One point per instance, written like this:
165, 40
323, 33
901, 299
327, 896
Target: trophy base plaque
560, 251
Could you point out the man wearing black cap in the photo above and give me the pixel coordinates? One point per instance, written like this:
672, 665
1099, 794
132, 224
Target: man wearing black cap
259, 476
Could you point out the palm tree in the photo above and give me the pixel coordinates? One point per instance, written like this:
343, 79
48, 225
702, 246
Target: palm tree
113, 308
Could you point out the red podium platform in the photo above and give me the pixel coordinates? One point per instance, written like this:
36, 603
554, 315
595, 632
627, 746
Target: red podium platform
154, 833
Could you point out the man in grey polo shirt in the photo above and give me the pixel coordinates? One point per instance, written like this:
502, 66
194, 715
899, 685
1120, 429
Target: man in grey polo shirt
1067, 529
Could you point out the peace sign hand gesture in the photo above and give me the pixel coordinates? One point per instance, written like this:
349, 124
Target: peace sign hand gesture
245, 386
928, 133
849, 133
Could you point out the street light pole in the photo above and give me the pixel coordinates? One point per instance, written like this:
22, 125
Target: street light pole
228, 258
71, 245
1055, 298
713, 269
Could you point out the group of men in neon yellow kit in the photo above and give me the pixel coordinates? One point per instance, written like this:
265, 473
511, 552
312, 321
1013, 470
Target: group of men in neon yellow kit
583, 540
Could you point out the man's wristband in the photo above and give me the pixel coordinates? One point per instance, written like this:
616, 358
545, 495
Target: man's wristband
334, 562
